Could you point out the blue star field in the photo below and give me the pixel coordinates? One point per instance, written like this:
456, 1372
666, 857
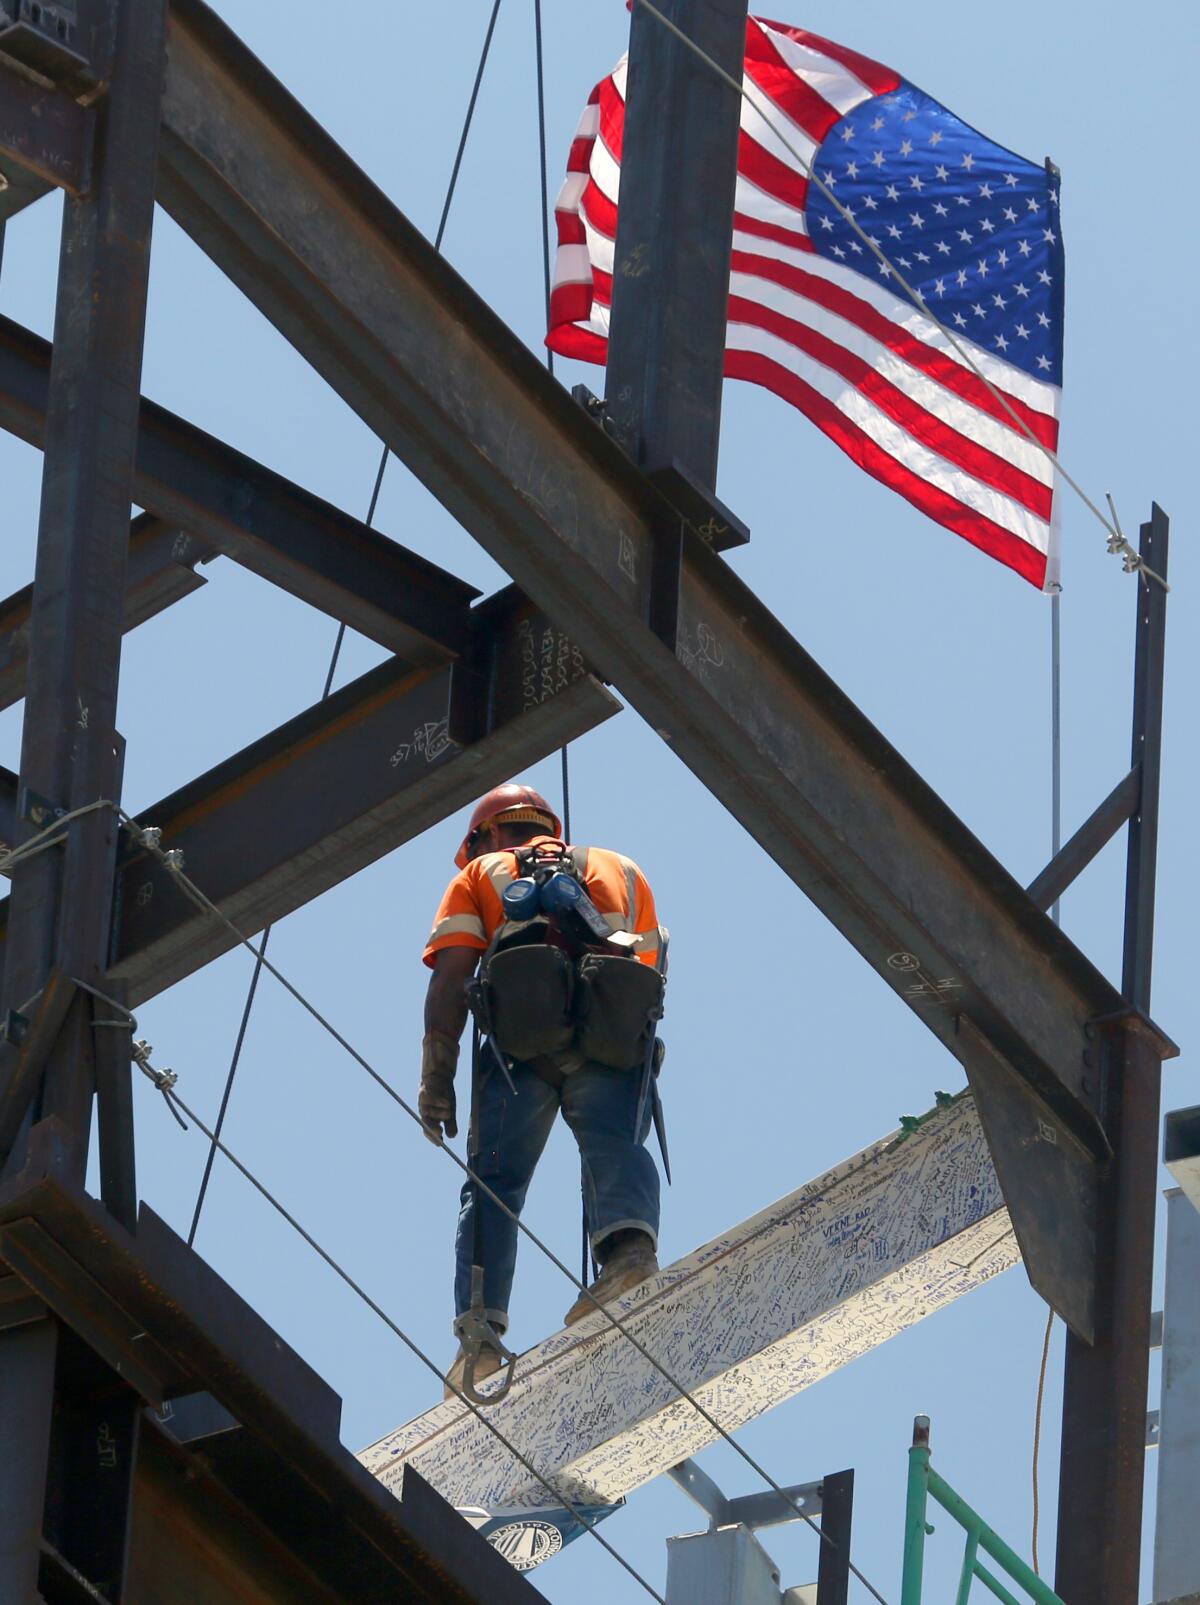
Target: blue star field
973, 228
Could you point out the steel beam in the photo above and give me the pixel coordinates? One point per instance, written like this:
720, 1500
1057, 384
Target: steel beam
1146, 756
336, 788
1097, 830
161, 570
745, 1322
70, 752
18, 190
44, 133
407, 746
27, 1355
238, 507
378, 762
154, 1312
265, 191
666, 348
1104, 1388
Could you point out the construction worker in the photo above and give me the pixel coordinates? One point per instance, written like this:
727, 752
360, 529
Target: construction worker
514, 832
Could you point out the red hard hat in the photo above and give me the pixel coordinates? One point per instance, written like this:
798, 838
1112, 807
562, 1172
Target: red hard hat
517, 803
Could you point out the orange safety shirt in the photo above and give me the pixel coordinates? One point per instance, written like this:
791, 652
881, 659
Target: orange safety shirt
471, 912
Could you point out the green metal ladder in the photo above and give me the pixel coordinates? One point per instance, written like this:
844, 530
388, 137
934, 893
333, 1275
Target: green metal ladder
924, 1483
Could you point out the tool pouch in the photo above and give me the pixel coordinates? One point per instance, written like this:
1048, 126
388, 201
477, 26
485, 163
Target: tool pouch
618, 1002
526, 994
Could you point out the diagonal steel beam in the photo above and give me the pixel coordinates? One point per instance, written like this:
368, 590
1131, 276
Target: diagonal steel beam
261, 520
1097, 830
344, 783
772, 1305
265, 191
161, 570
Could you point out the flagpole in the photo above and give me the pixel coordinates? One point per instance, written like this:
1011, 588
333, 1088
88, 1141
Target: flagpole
1055, 734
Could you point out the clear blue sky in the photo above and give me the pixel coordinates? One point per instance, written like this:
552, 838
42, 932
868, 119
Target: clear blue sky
786, 1051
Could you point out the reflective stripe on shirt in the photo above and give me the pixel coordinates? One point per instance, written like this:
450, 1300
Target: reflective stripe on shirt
459, 925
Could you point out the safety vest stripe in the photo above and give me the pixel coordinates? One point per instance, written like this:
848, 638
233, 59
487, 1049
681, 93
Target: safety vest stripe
459, 925
499, 869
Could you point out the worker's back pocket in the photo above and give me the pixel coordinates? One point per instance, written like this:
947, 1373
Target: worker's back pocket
528, 993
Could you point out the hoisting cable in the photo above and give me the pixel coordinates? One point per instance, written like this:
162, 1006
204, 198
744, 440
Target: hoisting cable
165, 1082
541, 108
173, 863
252, 990
585, 1251
1117, 542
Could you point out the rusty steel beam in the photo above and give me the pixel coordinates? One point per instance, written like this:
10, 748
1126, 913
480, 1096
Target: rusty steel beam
18, 189
161, 570
381, 760
407, 746
316, 246
286, 1514
44, 135
257, 518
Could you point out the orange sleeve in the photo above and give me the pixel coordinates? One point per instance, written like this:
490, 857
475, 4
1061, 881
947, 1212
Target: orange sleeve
459, 920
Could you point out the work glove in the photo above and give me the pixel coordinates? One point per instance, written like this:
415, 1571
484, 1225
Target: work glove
436, 1103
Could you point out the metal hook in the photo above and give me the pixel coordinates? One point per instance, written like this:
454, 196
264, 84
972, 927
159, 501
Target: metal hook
475, 1333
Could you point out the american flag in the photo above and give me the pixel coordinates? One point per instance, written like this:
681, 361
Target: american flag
815, 316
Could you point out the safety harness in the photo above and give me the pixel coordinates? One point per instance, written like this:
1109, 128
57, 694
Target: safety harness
557, 981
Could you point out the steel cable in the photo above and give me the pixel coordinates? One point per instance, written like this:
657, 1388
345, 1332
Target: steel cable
203, 902
339, 641
178, 1105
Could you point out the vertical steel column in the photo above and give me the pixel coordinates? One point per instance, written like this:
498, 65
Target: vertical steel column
61, 903
1177, 1533
666, 349
837, 1518
1104, 1392
1142, 860
27, 1360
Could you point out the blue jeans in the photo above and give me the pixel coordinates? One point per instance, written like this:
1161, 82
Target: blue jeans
620, 1180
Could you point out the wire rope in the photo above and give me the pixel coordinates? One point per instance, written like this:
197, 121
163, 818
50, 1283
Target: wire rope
166, 1086
541, 110
339, 641
49, 836
206, 904
810, 172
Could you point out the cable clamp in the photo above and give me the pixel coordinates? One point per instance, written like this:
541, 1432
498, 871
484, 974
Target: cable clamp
164, 1080
1131, 560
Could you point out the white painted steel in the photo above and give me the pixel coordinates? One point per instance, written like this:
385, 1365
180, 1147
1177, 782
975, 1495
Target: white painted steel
725, 1567
824, 1275
1176, 1530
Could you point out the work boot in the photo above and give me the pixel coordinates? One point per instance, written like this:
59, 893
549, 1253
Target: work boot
632, 1260
486, 1365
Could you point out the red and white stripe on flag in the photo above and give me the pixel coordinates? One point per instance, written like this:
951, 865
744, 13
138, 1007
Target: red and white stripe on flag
872, 370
